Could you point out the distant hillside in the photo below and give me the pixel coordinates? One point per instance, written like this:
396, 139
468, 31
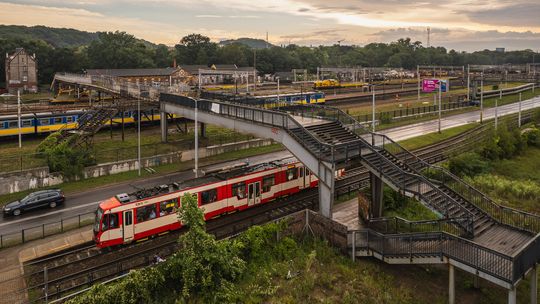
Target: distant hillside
253, 43
57, 37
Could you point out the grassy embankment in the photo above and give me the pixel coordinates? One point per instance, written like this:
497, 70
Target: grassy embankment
109, 148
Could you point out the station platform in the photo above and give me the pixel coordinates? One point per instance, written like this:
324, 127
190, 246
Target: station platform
13, 258
346, 213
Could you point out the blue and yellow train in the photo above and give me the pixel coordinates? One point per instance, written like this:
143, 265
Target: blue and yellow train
41, 123
270, 101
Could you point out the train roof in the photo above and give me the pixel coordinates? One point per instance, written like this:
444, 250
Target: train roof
223, 174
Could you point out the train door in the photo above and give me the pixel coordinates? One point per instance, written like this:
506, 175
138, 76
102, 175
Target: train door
128, 226
254, 193
303, 178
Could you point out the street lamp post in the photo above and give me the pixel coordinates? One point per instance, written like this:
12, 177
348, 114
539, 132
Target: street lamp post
139, 134
19, 117
196, 139
468, 82
278, 91
481, 97
373, 109
440, 104
519, 111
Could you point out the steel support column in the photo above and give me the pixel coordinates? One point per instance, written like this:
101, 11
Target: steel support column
534, 284
451, 284
326, 198
203, 129
377, 204
163, 123
512, 295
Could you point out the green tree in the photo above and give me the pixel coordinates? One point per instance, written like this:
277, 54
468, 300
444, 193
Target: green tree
204, 264
119, 50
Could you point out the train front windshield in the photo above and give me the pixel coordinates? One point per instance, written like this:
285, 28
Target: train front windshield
99, 214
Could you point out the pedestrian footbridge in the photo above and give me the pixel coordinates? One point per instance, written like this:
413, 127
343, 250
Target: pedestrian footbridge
325, 139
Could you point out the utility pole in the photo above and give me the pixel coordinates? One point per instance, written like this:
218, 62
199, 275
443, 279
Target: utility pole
139, 133
481, 97
440, 104
254, 70
519, 111
278, 90
496, 113
373, 109
19, 116
196, 139
468, 82
418, 76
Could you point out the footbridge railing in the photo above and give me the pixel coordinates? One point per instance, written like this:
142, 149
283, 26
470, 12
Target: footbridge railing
405, 247
504, 215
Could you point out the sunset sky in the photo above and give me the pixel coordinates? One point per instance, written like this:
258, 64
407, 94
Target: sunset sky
460, 24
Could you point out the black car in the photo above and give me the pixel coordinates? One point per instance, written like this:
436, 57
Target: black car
46, 198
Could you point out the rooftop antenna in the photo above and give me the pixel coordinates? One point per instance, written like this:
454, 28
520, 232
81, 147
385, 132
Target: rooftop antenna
428, 36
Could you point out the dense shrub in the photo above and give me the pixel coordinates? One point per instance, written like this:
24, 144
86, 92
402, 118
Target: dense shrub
468, 164
532, 137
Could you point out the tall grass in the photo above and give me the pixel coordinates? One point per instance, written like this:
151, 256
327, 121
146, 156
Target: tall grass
503, 187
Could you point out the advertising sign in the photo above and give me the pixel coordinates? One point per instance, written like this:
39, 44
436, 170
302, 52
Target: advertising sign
431, 85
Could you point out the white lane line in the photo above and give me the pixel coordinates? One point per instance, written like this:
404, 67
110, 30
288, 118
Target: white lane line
48, 214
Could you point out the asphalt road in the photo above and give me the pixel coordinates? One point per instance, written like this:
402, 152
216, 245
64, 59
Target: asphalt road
87, 201
421, 128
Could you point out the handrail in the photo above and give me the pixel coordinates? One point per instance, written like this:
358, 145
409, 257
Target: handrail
505, 215
494, 263
442, 225
469, 227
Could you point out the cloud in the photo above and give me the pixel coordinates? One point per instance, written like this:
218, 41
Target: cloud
463, 39
520, 15
208, 16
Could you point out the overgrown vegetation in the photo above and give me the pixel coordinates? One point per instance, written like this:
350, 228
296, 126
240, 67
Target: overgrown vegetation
506, 166
396, 204
63, 157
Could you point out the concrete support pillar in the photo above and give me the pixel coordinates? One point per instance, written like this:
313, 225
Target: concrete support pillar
163, 123
534, 285
451, 285
377, 204
326, 199
203, 130
512, 295
476, 282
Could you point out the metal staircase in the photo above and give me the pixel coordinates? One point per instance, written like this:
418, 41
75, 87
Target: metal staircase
437, 188
87, 125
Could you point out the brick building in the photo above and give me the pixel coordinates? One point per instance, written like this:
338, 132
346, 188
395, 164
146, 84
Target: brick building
21, 72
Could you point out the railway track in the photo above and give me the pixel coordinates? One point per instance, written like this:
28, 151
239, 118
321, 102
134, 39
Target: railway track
73, 270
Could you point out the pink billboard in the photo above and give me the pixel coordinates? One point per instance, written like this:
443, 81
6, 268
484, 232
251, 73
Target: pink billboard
429, 85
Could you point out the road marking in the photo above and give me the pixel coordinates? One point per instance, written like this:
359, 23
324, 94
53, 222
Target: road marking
47, 214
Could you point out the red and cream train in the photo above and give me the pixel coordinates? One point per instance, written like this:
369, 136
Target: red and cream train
125, 218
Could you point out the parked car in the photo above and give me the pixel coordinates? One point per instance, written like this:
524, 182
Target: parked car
46, 198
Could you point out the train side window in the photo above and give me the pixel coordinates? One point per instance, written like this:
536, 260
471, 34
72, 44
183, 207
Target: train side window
128, 218
239, 190
268, 182
13, 124
44, 122
167, 207
208, 196
146, 213
301, 171
57, 120
291, 174
69, 119
2, 125
26, 123
110, 221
